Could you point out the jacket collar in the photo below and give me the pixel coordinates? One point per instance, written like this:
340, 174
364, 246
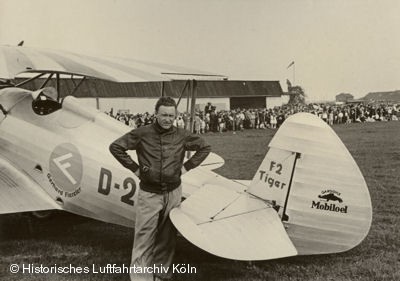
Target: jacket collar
160, 129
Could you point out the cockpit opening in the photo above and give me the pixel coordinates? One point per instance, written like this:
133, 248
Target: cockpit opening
45, 101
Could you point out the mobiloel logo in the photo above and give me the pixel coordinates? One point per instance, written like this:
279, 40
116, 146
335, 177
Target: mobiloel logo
330, 200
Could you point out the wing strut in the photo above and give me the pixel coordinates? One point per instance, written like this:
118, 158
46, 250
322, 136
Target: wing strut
77, 86
29, 80
47, 81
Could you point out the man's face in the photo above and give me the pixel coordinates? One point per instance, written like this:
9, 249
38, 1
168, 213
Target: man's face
166, 116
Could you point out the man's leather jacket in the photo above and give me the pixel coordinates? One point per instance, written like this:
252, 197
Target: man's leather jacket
160, 154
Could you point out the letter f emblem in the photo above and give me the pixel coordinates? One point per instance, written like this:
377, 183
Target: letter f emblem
63, 166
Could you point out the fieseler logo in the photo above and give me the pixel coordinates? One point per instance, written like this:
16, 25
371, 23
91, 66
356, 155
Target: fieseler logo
66, 170
326, 199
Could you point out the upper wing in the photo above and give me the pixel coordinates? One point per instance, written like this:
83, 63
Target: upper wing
15, 60
19, 193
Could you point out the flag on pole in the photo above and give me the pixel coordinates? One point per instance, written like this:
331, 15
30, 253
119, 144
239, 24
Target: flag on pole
292, 63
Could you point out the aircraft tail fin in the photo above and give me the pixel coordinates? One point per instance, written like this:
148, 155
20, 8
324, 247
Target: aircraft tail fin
272, 180
322, 196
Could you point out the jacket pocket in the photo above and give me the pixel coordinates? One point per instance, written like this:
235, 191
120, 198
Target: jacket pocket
148, 174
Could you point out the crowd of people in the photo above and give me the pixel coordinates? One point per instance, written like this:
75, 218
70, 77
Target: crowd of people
212, 120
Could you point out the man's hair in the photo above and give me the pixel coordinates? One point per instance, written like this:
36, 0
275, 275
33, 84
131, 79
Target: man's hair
165, 101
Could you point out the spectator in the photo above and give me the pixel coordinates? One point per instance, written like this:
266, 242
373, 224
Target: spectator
208, 108
238, 119
180, 123
197, 124
273, 121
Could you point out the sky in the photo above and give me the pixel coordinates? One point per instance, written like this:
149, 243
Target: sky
338, 46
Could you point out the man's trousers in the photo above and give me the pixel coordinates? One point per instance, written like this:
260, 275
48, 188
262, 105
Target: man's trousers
155, 235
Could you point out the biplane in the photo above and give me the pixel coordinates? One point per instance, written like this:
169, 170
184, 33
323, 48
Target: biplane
307, 197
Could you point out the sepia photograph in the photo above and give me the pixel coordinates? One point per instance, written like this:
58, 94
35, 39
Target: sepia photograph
173, 140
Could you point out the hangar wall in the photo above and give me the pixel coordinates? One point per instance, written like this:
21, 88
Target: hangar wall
141, 105
276, 101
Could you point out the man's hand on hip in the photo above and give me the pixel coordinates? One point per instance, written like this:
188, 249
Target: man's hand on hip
137, 173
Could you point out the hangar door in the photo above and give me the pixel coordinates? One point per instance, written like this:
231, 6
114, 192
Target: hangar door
247, 102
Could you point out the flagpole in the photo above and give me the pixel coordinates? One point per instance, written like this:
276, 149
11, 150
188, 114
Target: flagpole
294, 74
294, 70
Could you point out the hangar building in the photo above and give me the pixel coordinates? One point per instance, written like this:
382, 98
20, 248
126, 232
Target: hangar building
141, 97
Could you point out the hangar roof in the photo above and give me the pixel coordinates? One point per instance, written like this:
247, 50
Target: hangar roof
383, 96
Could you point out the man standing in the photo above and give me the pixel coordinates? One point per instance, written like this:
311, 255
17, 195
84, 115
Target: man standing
208, 108
160, 148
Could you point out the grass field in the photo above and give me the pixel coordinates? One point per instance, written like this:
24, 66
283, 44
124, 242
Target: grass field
65, 239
